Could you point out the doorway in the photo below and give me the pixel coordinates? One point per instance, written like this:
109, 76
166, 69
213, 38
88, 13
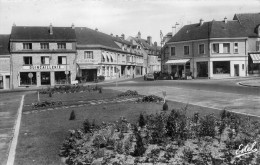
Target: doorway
45, 78
236, 69
202, 69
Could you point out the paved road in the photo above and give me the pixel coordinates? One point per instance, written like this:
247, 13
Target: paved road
217, 94
9, 104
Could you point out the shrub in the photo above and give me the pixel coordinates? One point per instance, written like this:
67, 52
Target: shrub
141, 120
50, 94
87, 127
139, 147
128, 93
72, 115
196, 117
207, 126
165, 106
187, 155
151, 98
101, 78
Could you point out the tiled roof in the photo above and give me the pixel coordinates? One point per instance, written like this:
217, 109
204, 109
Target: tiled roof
4, 44
87, 36
213, 29
120, 40
145, 44
42, 33
249, 21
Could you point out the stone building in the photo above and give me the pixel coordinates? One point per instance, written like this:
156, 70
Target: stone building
4, 62
42, 56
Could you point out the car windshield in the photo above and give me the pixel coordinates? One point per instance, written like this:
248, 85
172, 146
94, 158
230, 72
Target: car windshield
150, 74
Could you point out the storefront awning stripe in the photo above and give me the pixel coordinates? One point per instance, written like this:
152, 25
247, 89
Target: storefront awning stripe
255, 58
104, 55
178, 61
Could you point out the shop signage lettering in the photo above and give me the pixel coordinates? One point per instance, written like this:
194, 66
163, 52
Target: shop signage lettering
43, 67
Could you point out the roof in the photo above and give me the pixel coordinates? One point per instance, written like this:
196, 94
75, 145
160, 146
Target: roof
121, 40
145, 44
42, 33
87, 36
212, 29
249, 21
4, 44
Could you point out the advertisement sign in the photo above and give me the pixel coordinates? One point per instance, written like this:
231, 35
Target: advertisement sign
44, 67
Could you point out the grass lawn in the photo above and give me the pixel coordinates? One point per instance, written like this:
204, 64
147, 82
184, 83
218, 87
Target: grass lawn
41, 134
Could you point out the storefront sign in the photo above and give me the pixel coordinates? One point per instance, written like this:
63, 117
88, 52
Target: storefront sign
43, 67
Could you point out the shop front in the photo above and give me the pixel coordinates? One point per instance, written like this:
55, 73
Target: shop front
254, 64
179, 68
88, 72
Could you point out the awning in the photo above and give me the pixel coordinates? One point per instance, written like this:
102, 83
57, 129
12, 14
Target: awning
113, 56
108, 56
179, 61
104, 55
255, 58
88, 66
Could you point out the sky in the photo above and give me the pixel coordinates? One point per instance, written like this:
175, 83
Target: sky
120, 16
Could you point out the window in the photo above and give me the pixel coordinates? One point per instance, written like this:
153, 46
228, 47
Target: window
243, 66
27, 60
88, 55
44, 45
221, 67
172, 51
62, 60
257, 45
61, 45
45, 60
235, 47
27, 46
186, 50
215, 48
226, 47
201, 49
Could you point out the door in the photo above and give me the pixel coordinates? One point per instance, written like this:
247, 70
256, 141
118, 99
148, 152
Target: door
236, 69
45, 78
7, 82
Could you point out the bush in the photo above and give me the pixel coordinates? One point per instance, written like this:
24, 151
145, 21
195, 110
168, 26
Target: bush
187, 155
207, 126
141, 121
87, 126
151, 98
128, 93
165, 106
101, 78
139, 147
72, 115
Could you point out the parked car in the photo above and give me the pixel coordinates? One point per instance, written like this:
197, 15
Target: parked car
149, 76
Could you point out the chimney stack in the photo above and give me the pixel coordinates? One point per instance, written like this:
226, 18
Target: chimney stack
149, 40
201, 22
116, 36
139, 35
51, 30
72, 26
96, 29
111, 34
155, 43
123, 36
225, 19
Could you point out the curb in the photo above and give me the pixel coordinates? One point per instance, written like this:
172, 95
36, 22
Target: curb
11, 155
245, 85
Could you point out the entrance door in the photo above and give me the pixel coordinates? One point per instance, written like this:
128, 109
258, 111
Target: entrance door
202, 69
236, 69
45, 78
7, 82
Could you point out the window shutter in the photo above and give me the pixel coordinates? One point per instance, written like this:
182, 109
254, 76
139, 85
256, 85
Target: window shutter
257, 45
220, 48
47, 60
63, 60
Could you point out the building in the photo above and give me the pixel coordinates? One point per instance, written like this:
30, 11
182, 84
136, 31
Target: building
42, 56
215, 49
149, 51
100, 54
251, 23
4, 62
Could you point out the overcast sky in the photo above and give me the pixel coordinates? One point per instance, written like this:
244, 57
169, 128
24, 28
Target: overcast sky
120, 16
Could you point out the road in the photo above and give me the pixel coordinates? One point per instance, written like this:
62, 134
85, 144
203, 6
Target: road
217, 94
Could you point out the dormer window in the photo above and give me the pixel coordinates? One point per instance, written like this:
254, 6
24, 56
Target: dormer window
44, 45
61, 45
27, 46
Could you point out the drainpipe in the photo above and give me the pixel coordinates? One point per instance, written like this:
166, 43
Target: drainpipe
193, 68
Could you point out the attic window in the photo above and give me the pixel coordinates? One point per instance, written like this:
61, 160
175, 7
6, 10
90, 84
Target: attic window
27, 46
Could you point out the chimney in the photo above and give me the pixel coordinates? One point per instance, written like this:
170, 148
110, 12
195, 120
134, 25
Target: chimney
123, 36
225, 19
201, 22
155, 43
72, 26
149, 40
116, 36
96, 29
14, 24
111, 34
51, 30
139, 35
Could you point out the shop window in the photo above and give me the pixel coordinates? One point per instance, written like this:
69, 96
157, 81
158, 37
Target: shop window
221, 67
123, 58
257, 45
172, 51
236, 47
26, 80
201, 49
27, 60
186, 50
60, 77
27, 46
88, 55
61, 45
44, 45
45, 60
62, 60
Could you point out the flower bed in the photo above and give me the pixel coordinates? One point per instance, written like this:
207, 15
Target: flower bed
128, 93
164, 138
70, 89
150, 98
45, 104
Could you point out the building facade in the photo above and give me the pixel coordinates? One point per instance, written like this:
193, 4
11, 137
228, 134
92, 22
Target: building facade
4, 62
100, 54
215, 49
42, 56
